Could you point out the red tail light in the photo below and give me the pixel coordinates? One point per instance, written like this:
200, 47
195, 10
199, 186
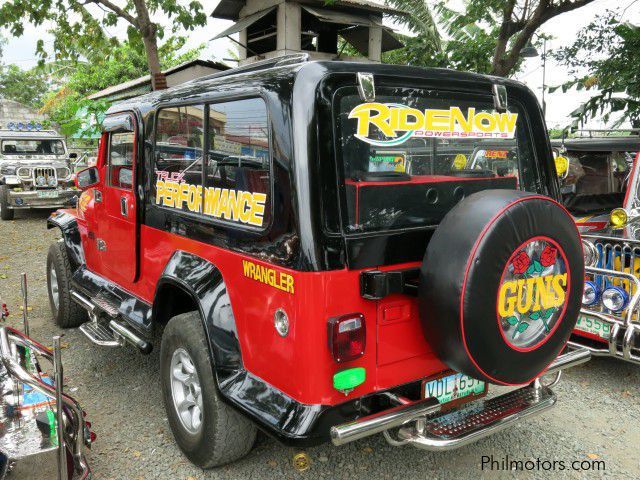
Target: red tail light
347, 337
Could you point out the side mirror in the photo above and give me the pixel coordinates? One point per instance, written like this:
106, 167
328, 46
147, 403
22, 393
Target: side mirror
87, 178
73, 156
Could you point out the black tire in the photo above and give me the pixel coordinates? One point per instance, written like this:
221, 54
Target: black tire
67, 313
6, 213
225, 435
488, 311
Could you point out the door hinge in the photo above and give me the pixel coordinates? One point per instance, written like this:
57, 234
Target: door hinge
375, 285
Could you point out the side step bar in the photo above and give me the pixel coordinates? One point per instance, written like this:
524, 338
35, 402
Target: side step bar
423, 424
107, 334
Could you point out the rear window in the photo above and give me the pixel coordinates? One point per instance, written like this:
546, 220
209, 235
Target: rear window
410, 155
596, 182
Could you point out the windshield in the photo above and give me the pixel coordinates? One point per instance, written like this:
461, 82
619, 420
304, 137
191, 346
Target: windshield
32, 147
411, 155
596, 182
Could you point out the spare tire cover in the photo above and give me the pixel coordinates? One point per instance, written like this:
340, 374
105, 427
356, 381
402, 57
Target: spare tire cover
501, 285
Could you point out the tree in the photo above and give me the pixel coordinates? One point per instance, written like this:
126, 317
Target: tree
69, 107
614, 71
25, 86
77, 28
486, 36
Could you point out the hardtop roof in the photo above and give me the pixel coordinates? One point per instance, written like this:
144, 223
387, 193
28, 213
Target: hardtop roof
630, 143
238, 78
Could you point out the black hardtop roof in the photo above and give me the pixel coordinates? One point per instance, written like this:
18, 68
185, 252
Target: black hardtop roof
628, 143
255, 76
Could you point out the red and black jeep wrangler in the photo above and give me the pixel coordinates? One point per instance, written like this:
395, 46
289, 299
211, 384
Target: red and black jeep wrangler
323, 257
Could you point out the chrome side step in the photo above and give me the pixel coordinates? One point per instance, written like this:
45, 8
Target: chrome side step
100, 335
111, 334
423, 424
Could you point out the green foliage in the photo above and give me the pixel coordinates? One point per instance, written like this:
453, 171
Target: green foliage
79, 25
614, 71
24, 86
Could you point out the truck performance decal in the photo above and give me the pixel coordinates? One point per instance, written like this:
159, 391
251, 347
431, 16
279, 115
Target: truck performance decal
269, 276
399, 123
223, 203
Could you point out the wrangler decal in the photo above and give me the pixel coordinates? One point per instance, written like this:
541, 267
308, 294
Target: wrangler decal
269, 276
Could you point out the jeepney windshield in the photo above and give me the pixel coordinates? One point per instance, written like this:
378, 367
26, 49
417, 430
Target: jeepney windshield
32, 147
410, 155
596, 182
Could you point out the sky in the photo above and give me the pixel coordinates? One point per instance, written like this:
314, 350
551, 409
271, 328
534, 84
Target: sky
563, 30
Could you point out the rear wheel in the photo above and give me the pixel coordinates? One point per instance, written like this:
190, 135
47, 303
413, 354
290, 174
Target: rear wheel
5, 212
208, 431
66, 313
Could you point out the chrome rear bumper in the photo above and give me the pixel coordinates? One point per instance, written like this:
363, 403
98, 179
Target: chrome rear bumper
423, 424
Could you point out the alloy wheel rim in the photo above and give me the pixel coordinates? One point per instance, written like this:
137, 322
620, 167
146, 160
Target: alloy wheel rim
53, 285
186, 391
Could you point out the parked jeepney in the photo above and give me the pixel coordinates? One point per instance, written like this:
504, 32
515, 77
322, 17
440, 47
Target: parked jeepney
600, 189
35, 169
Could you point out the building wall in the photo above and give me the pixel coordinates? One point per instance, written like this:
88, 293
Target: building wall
11, 111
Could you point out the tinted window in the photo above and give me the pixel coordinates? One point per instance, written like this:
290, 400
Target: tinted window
32, 147
121, 159
234, 185
178, 154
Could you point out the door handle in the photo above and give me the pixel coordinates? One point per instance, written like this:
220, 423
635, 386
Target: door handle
123, 206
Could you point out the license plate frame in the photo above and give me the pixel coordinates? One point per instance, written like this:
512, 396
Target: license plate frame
48, 194
593, 326
446, 378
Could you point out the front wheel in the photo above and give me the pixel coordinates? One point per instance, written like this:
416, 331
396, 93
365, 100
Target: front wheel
5, 212
208, 431
66, 313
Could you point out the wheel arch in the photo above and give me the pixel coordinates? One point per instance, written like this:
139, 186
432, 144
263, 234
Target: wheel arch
189, 283
68, 226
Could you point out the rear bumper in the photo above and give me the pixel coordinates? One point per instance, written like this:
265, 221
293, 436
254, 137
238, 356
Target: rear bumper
423, 424
34, 198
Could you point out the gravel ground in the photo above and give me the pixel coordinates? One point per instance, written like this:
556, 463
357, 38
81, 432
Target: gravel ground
597, 416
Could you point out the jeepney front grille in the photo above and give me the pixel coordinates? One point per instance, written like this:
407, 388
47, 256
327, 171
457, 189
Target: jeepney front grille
46, 173
619, 257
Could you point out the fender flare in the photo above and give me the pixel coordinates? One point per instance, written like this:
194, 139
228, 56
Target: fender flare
68, 225
203, 282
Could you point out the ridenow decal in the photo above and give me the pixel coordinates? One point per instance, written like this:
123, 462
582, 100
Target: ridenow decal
399, 123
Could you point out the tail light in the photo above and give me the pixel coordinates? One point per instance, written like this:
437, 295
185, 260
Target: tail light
347, 337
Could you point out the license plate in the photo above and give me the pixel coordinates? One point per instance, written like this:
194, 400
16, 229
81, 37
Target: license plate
594, 326
453, 387
47, 194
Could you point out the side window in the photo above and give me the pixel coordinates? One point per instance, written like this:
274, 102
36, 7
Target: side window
120, 160
232, 184
237, 170
178, 157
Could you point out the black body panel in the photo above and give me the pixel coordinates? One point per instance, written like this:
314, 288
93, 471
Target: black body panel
68, 225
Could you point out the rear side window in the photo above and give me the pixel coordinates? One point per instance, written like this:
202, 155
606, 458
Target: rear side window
214, 160
121, 160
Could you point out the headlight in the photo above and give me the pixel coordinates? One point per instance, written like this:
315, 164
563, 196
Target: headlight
52, 182
590, 294
63, 173
8, 170
41, 181
615, 299
590, 253
24, 173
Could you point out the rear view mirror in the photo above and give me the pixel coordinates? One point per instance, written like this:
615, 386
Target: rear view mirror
87, 178
73, 155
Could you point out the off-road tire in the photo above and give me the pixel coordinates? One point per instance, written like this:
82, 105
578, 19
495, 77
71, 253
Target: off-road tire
5, 212
68, 314
225, 435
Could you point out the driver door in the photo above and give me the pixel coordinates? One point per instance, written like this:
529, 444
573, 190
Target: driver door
117, 228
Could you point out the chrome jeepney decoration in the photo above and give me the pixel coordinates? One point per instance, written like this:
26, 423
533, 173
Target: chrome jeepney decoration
609, 322
43, 431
